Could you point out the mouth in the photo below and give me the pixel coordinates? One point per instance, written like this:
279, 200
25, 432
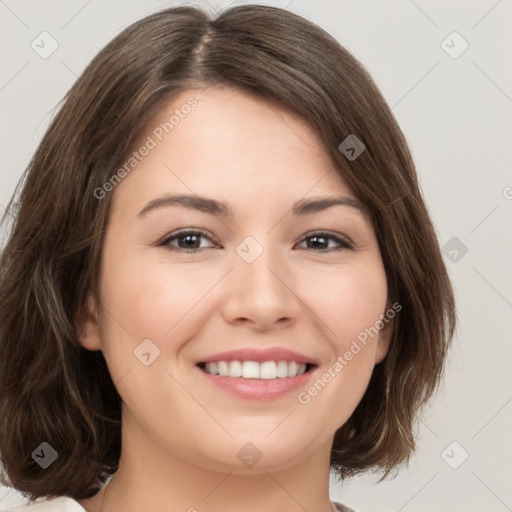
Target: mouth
265, 370
262, 381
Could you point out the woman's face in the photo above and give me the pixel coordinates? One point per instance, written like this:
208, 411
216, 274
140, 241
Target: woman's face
265, 280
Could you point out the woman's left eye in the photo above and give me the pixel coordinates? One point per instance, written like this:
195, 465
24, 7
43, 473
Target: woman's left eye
191, 239
322, 239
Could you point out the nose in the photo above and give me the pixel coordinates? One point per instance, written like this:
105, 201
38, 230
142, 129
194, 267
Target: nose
261, 294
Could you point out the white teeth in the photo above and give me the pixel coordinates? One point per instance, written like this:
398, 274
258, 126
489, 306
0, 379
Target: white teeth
282, 369
267, 370
292, 368
250, 370
223, 369
235, 369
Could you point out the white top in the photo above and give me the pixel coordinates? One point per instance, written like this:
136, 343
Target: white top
60, 504
65, 504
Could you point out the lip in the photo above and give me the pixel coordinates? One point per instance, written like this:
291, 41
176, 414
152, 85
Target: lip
259, 355
257, 389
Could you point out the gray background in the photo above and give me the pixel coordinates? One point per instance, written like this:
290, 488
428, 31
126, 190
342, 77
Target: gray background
456, 114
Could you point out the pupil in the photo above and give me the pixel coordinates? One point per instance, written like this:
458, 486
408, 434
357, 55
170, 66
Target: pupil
316, 238
188, 237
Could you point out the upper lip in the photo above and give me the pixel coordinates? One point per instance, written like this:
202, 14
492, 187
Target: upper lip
259, 355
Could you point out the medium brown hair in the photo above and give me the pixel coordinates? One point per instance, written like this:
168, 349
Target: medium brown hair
54, 390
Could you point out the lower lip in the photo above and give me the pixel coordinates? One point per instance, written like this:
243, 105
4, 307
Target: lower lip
260, 389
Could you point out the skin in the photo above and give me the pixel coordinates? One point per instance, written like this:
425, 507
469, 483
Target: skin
181, 435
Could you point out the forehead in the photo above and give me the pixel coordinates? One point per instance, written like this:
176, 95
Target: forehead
229, 140
227, 117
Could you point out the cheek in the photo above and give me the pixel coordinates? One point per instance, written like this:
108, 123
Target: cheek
350, 302
350, 310
145, 298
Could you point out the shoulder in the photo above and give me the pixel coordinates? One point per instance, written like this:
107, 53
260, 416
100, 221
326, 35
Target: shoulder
60, 504
342, 508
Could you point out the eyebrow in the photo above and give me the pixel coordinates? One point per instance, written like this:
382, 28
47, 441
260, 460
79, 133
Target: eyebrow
222, 209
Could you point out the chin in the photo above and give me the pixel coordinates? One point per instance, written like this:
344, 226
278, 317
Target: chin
256, 454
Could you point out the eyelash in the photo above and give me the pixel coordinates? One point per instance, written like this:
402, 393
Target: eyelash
345, 244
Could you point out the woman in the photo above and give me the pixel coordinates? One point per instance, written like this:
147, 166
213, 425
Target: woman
222, 281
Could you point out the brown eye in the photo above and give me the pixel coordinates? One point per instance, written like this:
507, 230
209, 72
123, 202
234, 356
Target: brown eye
320, 241
189, 241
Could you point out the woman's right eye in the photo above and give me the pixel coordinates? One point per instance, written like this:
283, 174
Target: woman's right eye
186, 240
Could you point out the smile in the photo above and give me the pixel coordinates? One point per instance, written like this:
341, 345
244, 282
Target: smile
262, 381
266, 370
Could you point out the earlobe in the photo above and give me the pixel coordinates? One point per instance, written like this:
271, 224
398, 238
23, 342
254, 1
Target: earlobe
88, 326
